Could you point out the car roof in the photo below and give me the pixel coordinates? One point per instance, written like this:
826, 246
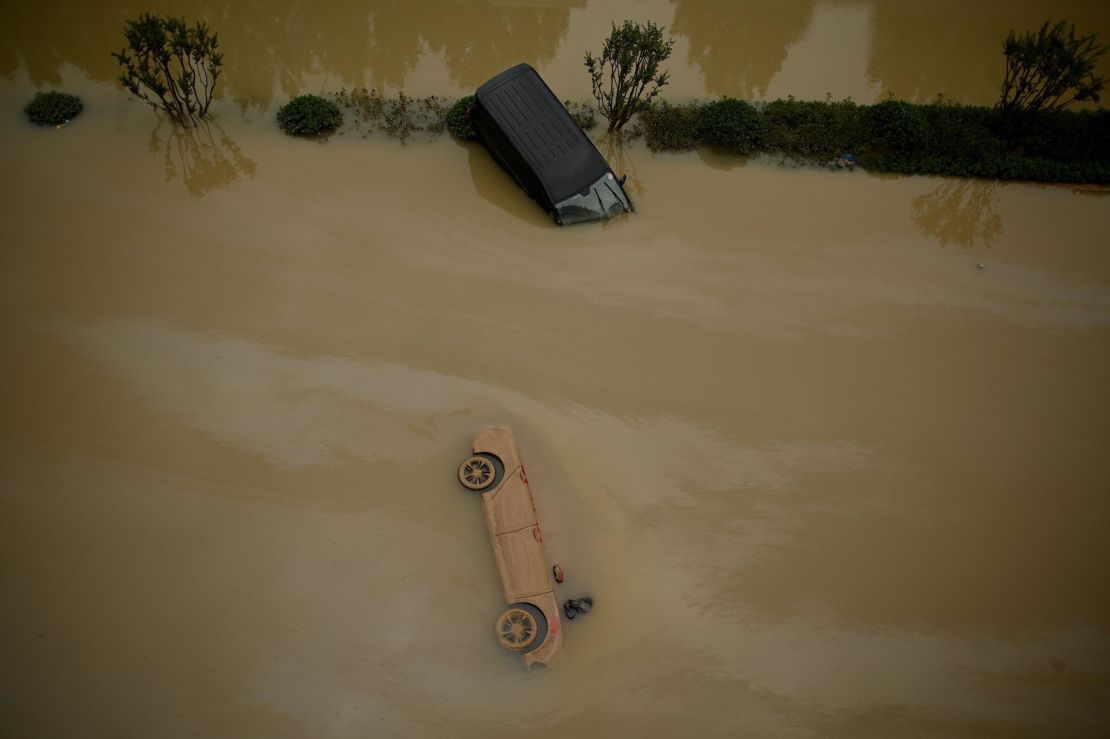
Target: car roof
521, 104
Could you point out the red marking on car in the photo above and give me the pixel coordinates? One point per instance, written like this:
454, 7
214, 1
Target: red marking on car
523, 475
555, 626
536, 533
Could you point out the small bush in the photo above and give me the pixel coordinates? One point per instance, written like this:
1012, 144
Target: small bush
309, 115
672, 127
733, 125
53, 108
457, 119
895, 125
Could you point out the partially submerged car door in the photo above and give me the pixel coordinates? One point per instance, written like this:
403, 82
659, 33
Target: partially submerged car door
517, 541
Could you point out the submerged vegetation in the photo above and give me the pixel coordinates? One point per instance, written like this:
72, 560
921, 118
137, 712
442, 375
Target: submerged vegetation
582, 114
171, 66
894, 136
53, 108
309, 115
402, 117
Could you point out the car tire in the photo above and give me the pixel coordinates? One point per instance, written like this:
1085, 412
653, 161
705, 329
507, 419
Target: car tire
516, 629
521, 628
481, 472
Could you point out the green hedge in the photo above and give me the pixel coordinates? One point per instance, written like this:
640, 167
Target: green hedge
732, 125
309, 115
53, 108
672, 127
896, 136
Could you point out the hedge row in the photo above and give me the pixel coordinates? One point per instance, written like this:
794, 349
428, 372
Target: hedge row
891, 136
896, 136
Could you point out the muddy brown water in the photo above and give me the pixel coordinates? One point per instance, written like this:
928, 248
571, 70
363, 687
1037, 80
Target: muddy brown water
829, 449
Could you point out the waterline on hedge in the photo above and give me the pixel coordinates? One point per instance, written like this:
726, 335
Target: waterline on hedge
896, 136
892, 136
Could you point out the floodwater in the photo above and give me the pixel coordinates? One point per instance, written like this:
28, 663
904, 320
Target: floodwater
828, 449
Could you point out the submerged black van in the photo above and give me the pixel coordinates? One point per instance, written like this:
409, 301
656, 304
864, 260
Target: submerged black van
534, 139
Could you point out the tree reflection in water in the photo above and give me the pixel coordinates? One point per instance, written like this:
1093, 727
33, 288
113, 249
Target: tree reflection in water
739, 45
954, 47
614, 147
477, 39
270, 47
959, 212
204, 158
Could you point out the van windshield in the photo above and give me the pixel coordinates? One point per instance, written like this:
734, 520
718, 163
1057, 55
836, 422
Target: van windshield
601, 200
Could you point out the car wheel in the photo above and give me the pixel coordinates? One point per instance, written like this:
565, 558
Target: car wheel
480, 472
521, 628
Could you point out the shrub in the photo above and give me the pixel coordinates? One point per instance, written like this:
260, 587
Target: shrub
457, 119
733, 125
171, 66
53, 108
673, 127
630, 59
1050, 69
309, 115
894, 125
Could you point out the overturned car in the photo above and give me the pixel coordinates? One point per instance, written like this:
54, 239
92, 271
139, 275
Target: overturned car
532, 136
